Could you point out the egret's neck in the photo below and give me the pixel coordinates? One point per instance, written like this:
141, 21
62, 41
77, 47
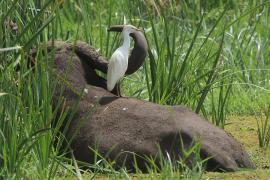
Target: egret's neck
126, 42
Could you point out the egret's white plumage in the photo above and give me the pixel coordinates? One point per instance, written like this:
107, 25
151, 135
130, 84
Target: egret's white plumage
118, 63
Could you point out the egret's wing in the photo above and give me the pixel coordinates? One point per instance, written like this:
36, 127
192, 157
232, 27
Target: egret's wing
116, 69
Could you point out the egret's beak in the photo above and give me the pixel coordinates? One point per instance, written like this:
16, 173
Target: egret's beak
119, 28
116, 28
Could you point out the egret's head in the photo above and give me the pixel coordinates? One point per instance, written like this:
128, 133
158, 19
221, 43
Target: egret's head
130, 29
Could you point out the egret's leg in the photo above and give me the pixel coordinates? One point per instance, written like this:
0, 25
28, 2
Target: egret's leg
118, 88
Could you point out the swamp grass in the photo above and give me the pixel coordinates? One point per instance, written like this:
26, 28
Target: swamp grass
212, 57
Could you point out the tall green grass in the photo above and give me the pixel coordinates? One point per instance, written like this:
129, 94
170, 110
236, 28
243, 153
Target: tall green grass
212, 57
26, 113
263, 127
221, 52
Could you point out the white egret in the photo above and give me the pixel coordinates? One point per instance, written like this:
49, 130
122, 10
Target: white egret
118, 62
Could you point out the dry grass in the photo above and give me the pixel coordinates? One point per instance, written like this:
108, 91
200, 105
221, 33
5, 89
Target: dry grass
244, 129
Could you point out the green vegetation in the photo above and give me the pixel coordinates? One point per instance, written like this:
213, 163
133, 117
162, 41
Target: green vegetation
263, 128
210, 56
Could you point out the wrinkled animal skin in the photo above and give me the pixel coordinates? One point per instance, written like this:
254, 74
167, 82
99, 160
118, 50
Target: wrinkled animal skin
117, 126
